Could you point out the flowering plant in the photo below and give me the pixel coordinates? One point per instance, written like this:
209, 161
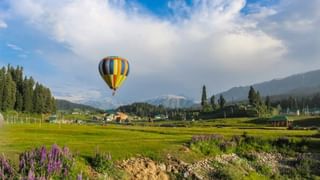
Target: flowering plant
42, 164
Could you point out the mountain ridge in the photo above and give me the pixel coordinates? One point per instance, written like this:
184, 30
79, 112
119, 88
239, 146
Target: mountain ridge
287, 85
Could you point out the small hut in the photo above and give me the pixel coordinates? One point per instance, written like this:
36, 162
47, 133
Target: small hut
121, 117
1, 120
281, 121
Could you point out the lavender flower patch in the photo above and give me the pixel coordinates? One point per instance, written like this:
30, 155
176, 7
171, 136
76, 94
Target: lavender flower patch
6, 170
41, 163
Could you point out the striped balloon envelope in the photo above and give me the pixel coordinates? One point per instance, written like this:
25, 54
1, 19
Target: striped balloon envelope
114, 70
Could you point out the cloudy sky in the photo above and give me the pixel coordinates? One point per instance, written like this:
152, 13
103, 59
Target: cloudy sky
174, 46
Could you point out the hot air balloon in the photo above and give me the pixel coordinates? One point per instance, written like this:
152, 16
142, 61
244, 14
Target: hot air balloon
114, 71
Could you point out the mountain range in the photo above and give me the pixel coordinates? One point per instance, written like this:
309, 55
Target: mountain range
172, 101
302, 84
106, 103
296, 85
69, 106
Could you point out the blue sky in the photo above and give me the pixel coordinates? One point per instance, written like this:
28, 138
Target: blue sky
174, 47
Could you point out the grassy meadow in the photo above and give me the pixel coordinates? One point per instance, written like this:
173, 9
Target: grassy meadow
124, 141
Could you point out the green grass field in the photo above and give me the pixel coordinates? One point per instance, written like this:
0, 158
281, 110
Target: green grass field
125, 141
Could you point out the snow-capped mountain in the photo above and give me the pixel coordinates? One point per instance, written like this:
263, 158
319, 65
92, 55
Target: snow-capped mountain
172, 101
107, 103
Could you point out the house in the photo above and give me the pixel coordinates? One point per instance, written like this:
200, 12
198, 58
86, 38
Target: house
160, 117
97, 118
109, 117
53, 119
281, 121
121, 117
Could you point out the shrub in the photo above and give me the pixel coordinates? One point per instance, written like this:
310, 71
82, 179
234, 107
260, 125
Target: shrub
264, 169
207, 148
102, 162
236, 139
212, 144
230, 171
199, 138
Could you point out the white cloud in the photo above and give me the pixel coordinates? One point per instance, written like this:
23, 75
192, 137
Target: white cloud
202, 42
22, 52
14, 47
3, 24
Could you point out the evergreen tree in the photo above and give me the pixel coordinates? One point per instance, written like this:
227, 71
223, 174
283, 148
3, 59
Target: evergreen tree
53, 105
213, 102
9, 93
2, 83
268, 102
252, 96
204, 100
17, 75
19, 94
221, 101
28, 94
258, 100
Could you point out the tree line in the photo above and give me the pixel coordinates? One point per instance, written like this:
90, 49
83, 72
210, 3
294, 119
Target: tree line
256, 103
23, 94
298, 103
143, 109
211, 105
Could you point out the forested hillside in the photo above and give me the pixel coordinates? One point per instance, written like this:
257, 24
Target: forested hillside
300, 84
142, 109
23, 94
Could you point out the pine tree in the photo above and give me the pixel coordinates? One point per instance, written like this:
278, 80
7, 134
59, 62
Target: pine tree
9, 92
258, 100
18, 79
268, 102
28, 94
204, 100
252, 96
221, 101
213, 102
53, 105
19, 94
37, 104
2, 83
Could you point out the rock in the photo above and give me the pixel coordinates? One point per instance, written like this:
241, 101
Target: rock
186, 174
144, 169
169, 168
162, 166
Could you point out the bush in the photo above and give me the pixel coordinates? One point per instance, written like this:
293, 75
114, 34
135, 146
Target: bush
102, 162
212, 144
232, 171
216, 144
207, 148
199, 138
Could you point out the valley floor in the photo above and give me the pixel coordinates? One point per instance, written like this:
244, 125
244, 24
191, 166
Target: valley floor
124, 142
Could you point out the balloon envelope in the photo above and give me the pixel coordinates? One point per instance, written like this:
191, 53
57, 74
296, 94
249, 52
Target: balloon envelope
114, 71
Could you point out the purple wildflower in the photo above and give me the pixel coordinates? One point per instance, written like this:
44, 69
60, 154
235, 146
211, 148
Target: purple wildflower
79, 177
6, 171
43, 155
31, 175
